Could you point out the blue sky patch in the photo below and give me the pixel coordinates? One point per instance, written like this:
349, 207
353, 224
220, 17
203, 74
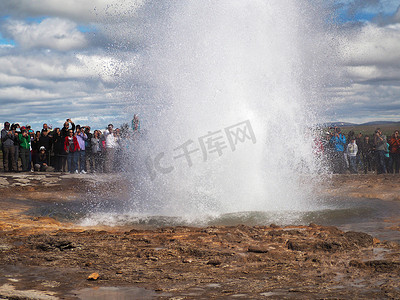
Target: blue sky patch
87, 28
4, 41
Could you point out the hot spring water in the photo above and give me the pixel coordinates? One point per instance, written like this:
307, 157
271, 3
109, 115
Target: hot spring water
228, 93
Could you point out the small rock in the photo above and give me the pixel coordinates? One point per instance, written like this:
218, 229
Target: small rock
153, 258
356, 263
93, 276
5, 247
383, 266
256, 249
392, 245
187, 260
359, 239
297, 246
214, 262
332, 230
48, 258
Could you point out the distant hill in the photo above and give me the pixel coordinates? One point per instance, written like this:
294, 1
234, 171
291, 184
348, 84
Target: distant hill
338, 124
368, 128
380, 123
372, 123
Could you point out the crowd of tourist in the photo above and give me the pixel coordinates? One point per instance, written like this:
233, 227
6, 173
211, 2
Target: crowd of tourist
76, 149
72, 148
359, 153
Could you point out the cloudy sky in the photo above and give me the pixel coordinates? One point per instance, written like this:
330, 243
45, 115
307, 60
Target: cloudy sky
63, 59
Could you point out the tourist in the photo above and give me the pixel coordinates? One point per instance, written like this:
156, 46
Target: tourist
118, 150
367, 151
103, 150
71, 147
45, 141
380, 150
96, 151
28, 127
32, 137
328, 150
35, 145
352, 150
394, 143
88, 147
338, 142
387, 158
41, 164
7, 144
65, 129
24, 150
135, 124
16, 129
46, 129
58, 149
359, 141
111, 145
81, 138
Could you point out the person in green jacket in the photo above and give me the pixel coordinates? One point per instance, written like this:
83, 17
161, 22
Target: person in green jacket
24, 149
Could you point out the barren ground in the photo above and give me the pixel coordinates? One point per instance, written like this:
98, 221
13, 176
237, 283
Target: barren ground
45, 258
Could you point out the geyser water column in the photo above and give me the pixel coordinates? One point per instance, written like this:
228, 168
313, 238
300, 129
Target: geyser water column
200, 69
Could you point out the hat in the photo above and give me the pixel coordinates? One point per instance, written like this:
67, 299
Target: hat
42, 148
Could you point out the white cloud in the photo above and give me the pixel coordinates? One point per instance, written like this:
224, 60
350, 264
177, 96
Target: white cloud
17, 93
51, 33
373, 45
56, 71
31, 69
5, 46
371, 68
78, 10
43, 85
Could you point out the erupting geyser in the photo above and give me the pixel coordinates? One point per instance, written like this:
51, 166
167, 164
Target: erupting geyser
196, 70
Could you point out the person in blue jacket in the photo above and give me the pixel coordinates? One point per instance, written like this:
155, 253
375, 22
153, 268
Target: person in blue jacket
338, 142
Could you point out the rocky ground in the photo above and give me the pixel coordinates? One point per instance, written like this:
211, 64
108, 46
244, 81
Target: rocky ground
46, 258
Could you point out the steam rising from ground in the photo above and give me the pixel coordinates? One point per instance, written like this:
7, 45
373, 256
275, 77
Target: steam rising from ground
201, 66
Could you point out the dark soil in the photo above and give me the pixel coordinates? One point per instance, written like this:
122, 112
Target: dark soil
44, 258
213, 262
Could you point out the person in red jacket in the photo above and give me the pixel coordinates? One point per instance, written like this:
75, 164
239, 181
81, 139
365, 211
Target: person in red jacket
71, 147
394, 153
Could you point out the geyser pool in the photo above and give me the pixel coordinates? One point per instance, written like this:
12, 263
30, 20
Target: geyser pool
372, 216
192, 70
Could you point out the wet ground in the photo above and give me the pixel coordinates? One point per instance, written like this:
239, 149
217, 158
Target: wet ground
44, 256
